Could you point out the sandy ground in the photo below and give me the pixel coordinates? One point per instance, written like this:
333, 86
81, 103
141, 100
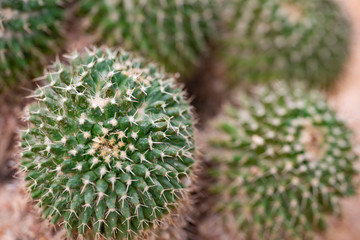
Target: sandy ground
19, 219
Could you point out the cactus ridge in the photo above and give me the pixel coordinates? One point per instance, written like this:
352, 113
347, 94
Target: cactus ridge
173, 33
285, 159
29, 30
286, 39
110, 145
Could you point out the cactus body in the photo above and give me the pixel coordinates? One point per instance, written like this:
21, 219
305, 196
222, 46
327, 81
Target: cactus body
285, 160
28, 32
173, 33
110, 145
285, 39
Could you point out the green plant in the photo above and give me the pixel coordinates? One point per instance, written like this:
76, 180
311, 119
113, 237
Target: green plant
29, 32
174, 33
285, 39
284, 160
110, 145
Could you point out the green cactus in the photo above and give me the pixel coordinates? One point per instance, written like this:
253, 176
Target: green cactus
284, 160
285, 39
109, 149
28, 32
174, 33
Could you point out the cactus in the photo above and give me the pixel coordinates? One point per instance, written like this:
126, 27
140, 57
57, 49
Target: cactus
285, 39
28, 32
285, 159
174, 33
109, 149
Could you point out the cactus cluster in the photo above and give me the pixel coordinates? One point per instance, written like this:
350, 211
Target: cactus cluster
174, 33
29, 32
108, 152
285, 39
284, 160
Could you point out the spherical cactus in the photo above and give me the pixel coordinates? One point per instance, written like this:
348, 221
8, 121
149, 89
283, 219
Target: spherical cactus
28, 32
174, 33
109, 149
284, 160
285, 39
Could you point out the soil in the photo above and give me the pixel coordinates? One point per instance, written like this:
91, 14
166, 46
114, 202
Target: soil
18, 220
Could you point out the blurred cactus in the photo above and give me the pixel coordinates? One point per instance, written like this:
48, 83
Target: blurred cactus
284, 160
174, 33
285, 39
109, 149
29, 32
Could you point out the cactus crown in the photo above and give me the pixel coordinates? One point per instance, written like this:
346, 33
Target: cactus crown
286, 39
285, 159
28, 31
174, 33
109, 146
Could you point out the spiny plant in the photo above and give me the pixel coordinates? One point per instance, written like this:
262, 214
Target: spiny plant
285, 158
109, 148
285, 39
174, 33
29, 32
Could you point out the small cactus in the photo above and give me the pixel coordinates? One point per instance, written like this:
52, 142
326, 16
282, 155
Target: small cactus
110, 144
29, 31
284, 160
174, 33
285, 39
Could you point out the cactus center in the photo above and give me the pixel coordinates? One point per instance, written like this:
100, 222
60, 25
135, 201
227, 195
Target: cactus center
312, 139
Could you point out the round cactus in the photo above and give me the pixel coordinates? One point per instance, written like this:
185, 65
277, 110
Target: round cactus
109, 147
284, 161
28, 32
285, 39
174, 33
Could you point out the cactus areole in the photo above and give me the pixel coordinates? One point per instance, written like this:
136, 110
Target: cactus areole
109, 146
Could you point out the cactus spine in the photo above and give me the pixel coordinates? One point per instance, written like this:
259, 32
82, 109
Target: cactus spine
109, 149
28, 32
284, 161
285, 39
